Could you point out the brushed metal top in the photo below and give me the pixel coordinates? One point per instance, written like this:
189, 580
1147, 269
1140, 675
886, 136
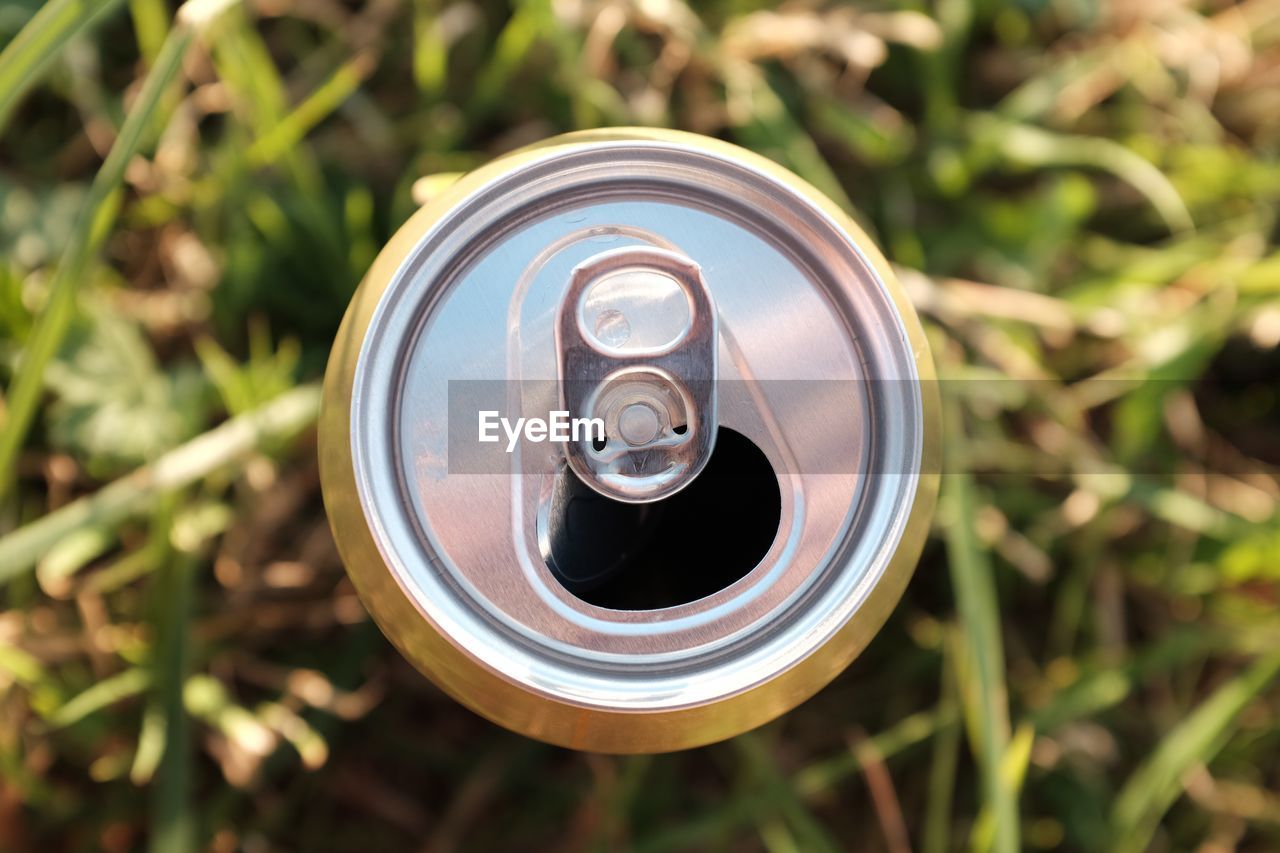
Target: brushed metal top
636, 339
796, 298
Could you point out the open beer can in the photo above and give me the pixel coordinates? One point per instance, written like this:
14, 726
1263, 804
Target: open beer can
629, 440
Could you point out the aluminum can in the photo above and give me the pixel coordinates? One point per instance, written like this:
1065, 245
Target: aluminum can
724, 457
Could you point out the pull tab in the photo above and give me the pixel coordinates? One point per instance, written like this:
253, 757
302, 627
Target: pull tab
636, 337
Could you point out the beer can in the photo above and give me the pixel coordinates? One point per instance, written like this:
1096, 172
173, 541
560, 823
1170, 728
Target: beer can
629, 440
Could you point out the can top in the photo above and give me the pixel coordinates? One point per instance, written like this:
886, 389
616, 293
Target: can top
716, 314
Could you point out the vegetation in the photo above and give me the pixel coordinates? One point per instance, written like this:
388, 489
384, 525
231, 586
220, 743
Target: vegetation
1081, 197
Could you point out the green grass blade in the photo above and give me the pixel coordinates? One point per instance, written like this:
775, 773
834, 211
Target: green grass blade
172, 817
1154, 786
25, 60
936, 836
760, 763
1106, 685
150, 25
260, 99
103, 693
50, 329
1040, 148
276, 421
823, 776
285, 135
983, 691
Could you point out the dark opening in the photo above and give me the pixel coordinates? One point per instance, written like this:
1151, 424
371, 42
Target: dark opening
670, 552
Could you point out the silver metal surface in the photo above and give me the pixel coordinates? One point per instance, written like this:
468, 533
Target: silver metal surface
636, 335
517, 282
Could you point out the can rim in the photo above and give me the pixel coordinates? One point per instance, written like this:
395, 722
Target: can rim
460, 672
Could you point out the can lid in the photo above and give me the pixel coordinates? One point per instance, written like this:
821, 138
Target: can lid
758, 373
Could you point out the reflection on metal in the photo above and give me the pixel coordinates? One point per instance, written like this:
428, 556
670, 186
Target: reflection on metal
654, 279
636, 340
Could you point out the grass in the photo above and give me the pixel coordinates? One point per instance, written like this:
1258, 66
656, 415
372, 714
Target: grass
26, 57
95, 218
1081, 200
